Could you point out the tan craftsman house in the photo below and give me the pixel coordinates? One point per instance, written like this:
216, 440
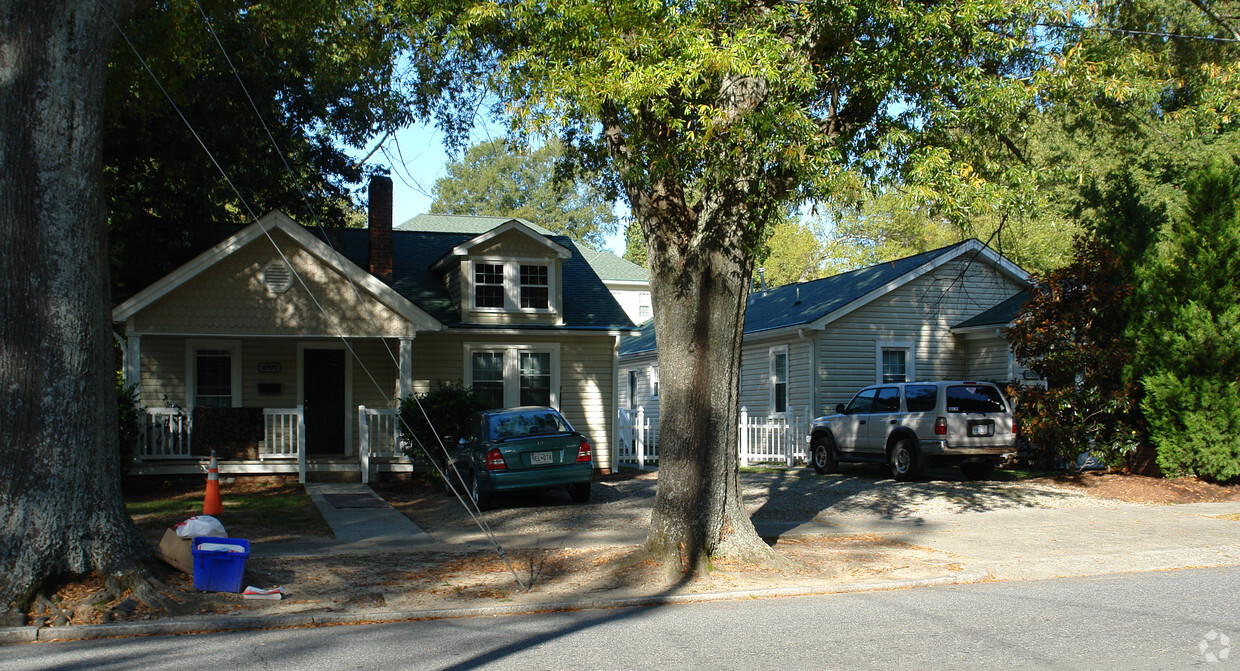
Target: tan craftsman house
938, 315
286, 349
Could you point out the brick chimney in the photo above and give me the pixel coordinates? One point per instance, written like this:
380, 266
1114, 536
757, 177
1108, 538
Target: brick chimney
380, 193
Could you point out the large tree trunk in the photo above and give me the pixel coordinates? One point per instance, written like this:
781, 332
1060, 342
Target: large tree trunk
699, 284
61, 513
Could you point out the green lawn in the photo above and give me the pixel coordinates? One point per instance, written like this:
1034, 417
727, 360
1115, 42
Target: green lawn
255, 509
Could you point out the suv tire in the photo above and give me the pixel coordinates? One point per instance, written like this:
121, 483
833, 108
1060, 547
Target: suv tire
822, 455
903, 459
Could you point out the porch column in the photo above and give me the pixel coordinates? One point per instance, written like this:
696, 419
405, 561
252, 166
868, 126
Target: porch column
405, 386
133, 363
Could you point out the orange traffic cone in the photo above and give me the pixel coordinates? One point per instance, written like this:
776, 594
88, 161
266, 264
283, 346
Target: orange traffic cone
211, 504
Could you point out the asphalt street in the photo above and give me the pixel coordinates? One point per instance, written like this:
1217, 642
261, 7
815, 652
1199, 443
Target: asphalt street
1159, 620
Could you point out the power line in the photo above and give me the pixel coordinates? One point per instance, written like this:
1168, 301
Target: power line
1140, 33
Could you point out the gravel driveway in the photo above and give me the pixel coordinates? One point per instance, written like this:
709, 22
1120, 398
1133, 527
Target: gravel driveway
778, 495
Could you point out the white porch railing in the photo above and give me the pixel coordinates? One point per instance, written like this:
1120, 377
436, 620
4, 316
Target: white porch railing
284, 437
378, 432
165, 434
772, 438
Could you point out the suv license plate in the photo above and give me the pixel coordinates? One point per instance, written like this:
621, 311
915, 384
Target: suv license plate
537, 458
980, 429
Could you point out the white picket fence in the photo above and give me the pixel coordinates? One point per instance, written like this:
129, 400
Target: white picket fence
378, 432
762, 439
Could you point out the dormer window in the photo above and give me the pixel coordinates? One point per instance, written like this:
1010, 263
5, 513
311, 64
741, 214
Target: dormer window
512, 286
489, 285
535, 287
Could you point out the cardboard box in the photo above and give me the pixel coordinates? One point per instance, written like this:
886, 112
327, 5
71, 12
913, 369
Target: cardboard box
177, 551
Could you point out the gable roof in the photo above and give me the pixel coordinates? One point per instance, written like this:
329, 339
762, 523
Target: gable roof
416, 291
819, 302
465, 247
277, 221
1000, 315
462, 223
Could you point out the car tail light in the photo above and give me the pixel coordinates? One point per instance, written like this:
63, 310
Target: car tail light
495, 461
940, 426
583, 451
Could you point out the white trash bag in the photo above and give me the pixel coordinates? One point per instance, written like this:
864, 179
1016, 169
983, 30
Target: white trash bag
200, 525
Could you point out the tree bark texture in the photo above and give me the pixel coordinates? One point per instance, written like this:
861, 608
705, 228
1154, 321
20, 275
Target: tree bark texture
699, 284
61, 512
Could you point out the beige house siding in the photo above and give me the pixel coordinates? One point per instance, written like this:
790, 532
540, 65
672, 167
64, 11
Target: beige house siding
756, 375
920, 313
988, 358
230, 297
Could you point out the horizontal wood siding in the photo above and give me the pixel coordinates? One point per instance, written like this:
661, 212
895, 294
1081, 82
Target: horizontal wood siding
641, 365
921, 312
756, 376
986, 359
162, 371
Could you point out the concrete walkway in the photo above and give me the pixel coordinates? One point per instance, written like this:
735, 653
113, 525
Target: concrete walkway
360, 519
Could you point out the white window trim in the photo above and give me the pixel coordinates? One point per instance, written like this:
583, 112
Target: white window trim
653, 373
512, 284
910, 358
512, 372
191, 368
771, 354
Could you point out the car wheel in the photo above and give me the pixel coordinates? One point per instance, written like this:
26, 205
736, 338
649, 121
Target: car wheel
978, 470
449, 479
580, 492
903, 458
822, 455
484, 500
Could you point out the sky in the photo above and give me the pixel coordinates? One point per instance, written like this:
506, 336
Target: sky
416, 157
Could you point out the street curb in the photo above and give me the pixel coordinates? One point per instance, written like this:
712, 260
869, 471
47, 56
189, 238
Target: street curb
173, 626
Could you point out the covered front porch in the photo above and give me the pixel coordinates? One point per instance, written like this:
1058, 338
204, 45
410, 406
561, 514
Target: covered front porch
166, 446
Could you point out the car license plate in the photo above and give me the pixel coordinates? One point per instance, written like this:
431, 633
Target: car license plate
981, 429
537, 458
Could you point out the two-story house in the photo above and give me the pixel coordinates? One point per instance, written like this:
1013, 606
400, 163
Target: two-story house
286, 349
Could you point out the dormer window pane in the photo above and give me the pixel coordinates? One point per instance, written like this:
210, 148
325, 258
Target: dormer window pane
534, 287
488, 285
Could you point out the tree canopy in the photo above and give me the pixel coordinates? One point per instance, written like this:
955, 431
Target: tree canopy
502, 178
716, 118
322, 75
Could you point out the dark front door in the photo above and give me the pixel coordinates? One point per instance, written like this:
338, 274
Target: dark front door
323, 377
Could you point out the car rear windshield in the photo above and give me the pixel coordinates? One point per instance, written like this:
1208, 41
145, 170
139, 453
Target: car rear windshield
979, 398
527, 423
920, 398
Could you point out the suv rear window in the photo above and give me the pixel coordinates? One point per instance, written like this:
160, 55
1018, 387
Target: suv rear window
981, 398
920, 398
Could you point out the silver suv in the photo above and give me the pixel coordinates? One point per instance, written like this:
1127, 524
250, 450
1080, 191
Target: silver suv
911, 425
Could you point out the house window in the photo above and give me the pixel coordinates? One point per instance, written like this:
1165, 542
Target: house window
779, 379
214, 378
512, 375
654, 382
535, 378
644, 311
488, 285
535, 286
487, 376
512, 286
895, 362
632, 390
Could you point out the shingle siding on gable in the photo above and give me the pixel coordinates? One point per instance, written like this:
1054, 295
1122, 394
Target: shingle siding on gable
230, 298
923, 312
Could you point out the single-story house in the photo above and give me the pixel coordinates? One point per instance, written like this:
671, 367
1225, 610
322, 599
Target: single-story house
807, 346
287, 349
